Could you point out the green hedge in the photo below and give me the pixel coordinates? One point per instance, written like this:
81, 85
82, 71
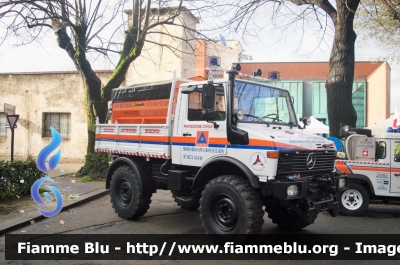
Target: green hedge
17, 177
96, 165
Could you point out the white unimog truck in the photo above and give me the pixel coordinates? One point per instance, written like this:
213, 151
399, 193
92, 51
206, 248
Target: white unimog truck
372, 164
229, 147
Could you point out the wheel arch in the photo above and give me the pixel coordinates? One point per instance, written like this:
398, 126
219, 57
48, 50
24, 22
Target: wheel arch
145, 182
222, 166
362, 179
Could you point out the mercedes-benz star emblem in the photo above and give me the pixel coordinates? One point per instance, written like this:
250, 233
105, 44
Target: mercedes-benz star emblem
311, 159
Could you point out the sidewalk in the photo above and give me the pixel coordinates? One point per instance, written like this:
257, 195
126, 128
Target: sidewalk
74, 194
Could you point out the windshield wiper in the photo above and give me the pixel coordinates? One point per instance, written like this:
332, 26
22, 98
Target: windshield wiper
261, 119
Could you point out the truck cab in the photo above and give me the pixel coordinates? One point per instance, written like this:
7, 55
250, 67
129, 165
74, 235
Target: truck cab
227, 146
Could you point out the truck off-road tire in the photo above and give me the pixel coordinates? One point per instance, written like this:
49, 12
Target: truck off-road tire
187, 201
354, 200
286, 220
127, 199
230, 205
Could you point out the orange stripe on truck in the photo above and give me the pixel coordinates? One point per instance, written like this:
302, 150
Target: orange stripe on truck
341, 166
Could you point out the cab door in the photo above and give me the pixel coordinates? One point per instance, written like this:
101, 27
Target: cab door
395, 166
203, 139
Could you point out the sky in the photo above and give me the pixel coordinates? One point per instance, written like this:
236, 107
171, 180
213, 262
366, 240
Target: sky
268, 46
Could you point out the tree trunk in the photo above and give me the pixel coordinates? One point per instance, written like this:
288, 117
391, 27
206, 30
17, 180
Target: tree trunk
91, 82
339, 84
130, 51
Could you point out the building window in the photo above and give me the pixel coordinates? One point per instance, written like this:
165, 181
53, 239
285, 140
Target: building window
3, 122
59, 121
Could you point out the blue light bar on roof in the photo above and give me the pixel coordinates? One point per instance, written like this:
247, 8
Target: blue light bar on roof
391, 130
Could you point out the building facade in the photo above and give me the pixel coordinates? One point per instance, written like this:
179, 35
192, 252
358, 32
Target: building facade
42, 100
163, 54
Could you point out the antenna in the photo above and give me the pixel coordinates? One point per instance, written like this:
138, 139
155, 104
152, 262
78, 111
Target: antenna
222, 39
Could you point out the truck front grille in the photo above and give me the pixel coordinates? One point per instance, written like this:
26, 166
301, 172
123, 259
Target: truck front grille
296, 162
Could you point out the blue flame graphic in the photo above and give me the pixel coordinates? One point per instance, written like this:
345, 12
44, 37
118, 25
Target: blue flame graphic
41, 164
36, 197
45, 152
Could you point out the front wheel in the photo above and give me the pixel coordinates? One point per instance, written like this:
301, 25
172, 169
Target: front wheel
230, 205
353, 201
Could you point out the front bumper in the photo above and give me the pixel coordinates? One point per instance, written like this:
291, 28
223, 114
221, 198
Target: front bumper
331, 205
314, 194
307, 188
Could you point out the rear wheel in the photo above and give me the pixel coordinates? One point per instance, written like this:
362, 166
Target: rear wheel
127, 197
354, 200
230, 205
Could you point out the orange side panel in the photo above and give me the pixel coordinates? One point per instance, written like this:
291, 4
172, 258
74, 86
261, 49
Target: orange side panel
140, 112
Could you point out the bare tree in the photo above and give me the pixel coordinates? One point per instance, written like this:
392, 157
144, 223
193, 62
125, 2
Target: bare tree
246, 16
84, 27
379, 20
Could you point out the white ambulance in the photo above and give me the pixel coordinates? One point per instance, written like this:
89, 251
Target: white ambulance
373, 167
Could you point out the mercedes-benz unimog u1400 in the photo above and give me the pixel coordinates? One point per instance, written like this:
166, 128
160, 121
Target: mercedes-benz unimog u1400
232, 148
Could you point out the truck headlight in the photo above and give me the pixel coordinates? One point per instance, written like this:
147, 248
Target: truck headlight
239, 114
342, 183
292, 191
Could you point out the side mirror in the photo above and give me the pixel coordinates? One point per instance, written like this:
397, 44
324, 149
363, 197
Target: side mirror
208, 99
209, 115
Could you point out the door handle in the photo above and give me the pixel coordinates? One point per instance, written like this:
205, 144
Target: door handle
187, 134
397, 175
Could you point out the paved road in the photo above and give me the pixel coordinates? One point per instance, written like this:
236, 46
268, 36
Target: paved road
98, 217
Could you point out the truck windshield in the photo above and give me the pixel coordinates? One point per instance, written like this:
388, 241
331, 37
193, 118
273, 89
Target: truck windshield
263, 103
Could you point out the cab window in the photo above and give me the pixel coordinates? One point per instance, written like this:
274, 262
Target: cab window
380, 150
396, 149
195, 110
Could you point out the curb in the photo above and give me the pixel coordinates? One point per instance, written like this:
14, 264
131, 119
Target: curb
25, 220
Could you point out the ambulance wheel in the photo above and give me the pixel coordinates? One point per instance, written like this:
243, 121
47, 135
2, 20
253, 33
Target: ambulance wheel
127, 198
353, 201
230, 205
